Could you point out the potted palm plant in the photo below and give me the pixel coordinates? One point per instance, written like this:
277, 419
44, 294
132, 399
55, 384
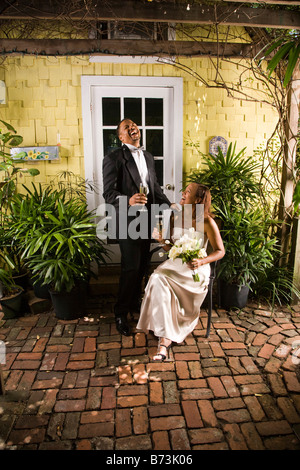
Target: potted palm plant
249, 253
59, 245
252, 259
235, 189
28, 212
232, 178
10, 171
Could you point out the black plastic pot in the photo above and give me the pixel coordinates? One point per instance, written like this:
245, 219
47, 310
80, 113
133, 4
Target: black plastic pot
12, 305
22, 280
41, 291
232, 295
69, 305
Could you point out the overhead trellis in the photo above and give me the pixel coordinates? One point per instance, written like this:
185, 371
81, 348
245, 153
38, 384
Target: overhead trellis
86, 20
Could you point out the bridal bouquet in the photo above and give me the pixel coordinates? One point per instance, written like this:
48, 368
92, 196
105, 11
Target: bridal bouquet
187, 248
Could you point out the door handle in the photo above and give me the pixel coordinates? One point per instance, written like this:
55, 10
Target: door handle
170, 187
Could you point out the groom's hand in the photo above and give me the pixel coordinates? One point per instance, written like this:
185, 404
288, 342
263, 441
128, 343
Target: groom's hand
138, 199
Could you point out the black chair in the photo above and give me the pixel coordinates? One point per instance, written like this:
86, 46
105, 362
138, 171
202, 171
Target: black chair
213, 271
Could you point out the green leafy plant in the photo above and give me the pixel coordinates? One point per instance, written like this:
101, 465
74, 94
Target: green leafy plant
232, 178
247, 245
7, 285
26, 212
8, 139
7, 266
287, 50
247, 228
72, 185
58, 236
276, 284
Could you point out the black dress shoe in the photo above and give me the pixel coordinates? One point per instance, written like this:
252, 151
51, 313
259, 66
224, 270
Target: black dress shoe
122, 326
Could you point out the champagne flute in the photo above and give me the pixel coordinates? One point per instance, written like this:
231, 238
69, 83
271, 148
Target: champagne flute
159, 225
143, 190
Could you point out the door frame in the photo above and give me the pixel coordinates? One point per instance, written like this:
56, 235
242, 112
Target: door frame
90, 81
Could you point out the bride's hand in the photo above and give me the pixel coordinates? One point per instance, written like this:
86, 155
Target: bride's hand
195, 263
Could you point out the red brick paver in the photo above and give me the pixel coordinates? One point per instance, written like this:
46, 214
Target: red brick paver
79, 385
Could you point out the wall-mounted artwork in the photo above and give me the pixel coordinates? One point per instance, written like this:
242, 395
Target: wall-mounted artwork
51, 152
217, 142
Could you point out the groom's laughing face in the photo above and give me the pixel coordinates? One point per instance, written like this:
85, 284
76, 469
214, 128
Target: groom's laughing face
129, 133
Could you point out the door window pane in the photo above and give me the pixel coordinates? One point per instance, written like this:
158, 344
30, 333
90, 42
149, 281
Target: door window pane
154, 139
133, 109
159, 168
111, 111
154, 111
110, 141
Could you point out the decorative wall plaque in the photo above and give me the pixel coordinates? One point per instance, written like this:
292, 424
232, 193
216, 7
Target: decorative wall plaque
217, 142
34, 154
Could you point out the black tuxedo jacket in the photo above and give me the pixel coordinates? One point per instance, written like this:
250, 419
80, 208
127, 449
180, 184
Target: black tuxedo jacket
121, 178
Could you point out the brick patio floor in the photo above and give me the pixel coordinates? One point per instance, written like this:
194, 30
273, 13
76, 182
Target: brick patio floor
78, 384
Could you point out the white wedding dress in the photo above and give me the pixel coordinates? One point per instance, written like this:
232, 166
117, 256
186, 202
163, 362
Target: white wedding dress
172, 300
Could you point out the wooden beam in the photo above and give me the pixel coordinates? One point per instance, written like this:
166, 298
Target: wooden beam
166, 12
295, 257
124, 47
289, 162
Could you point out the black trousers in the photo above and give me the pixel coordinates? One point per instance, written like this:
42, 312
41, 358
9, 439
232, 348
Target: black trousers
134, 261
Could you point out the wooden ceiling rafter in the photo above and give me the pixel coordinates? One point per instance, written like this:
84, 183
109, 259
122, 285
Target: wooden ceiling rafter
225, 13
230, 14
123, 47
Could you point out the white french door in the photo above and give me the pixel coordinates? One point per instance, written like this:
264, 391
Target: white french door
155, 105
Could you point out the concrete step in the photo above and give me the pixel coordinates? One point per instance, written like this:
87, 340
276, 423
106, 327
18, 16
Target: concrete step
37, 305
107, 281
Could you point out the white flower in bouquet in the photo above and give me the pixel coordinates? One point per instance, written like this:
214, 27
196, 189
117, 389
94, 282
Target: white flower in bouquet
187, 248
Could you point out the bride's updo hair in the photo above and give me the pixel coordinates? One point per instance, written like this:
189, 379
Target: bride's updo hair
203, 193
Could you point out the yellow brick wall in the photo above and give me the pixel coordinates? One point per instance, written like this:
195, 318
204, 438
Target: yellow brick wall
44, 97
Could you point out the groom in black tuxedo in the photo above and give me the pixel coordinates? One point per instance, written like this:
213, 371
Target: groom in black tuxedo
123, 171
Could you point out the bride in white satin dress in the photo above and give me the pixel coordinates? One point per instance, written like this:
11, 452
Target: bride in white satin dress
172, 300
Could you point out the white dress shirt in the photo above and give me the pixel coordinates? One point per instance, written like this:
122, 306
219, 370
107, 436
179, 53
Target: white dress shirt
139, 158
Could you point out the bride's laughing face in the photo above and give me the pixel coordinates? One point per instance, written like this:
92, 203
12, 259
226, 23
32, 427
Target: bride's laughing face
189, 194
